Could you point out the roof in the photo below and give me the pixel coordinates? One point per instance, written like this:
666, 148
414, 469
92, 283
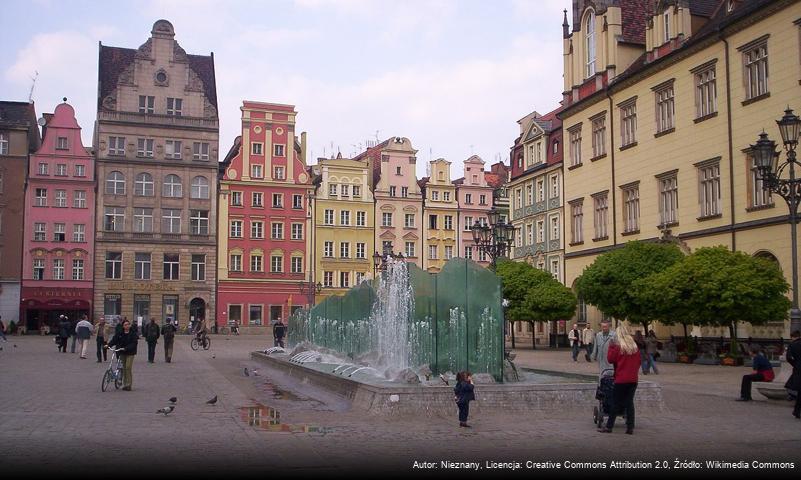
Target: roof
23, 115
704, 8
494, 180
232, 152
634, 14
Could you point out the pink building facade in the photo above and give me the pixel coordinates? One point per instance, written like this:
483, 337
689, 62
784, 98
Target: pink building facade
475, 200
57, 274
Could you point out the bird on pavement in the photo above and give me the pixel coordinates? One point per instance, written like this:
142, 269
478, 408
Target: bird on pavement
247, 374
173, 399
166, 410
213, 401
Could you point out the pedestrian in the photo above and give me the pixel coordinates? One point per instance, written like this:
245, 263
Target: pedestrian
587, 336
168, 332
279, 330
601, 347
763, 372
3, 329
640, 341
83, 331
100, 339
575, 341
127, 340
651, 344
73, 326
463, 395
793, 356
64, 332
151, 332
625, 357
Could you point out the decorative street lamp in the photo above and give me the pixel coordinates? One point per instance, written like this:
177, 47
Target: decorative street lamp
772, 175
380, 260
309, 288
495, 238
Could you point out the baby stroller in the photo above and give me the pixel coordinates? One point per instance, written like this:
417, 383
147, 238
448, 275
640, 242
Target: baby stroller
604, 396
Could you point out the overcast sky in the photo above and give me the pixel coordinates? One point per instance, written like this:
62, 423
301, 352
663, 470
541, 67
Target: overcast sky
454, 76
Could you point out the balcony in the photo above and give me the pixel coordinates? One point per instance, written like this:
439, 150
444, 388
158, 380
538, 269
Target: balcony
159, 120
151, 237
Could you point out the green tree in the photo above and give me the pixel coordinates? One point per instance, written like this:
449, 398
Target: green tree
717, 287
607, 283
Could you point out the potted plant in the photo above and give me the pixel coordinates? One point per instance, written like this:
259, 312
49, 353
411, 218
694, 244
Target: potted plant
733, 358
689, 355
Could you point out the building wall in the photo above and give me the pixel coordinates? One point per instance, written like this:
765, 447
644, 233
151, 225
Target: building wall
474, 184
439, 186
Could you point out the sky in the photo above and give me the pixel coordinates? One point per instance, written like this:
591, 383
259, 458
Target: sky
453, 76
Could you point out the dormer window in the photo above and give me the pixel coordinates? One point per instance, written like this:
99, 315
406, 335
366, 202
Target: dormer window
589, 43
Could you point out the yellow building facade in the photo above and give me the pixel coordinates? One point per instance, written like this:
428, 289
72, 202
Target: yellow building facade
657, 144
441, 212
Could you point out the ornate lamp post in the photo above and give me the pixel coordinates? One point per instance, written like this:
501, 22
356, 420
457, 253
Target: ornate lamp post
495, 238
380, 260
309, 288
773, 179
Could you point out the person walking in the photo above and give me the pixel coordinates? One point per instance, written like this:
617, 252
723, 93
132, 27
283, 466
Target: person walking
279, 330
168, 332
651, 344
83, 331
793, 356
575, 341
127, 340
588, 336
625, 357
100, 340
763, 372
64, 332
640, 341
151, 332
601, 347
463, 394
73, 326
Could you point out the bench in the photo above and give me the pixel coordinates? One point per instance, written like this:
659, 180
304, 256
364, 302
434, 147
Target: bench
775, 390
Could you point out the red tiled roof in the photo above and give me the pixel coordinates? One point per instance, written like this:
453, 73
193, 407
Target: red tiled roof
634, 14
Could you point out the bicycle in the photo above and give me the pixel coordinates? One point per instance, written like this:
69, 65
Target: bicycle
200, 340
114, 371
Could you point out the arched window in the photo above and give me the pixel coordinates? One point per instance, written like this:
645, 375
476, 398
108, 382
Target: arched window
172, 186
143, 187
115, 183
589, 43
200, 187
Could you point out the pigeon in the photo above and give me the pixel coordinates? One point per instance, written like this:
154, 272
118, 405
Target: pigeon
247, 374
213, 356
15, 345
166, 410
442, 377
213, 401
173, 399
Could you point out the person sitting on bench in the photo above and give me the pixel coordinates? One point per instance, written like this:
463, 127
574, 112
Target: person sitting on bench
763, 372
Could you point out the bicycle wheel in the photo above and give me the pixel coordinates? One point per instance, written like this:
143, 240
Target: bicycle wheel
206, 343
118, 378
106, 380
194, 344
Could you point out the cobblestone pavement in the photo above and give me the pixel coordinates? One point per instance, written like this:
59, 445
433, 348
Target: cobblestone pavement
54, 417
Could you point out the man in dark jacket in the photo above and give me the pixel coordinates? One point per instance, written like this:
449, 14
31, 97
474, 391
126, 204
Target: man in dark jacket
279, 330
763, 372
64, 332
794, 359
126, 340
168, 332
151, 331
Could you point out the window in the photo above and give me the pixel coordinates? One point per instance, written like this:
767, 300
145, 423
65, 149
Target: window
61, 170
408, 221
574, 134
41, 197
172, 149
555, 268
114, 265
171, 266
79, 233
256, 262
236, 229
277, 231
468, 252
257, 199
468, 198
77, 269
198, 268
345, 190
432, 222
530, 233
235, 262
255, 315
448, 222
666, 26
172, 187
541, 231
434, 195
171, 221
759, 196
278, 173
174, 106
142, 266
628, 123
392, 191
555, 228
554, 186
58, 269
577, 223
404, 192
116, 146
147, 104
42, 169
709, 191
482, 199
199, 222
482, 255
200, 187
112, 304
278, 200
39, 232
344, 249
589, 44
297, 201
361, 219
80, 170
360, 249
631, 209
115, 183
398, 171
468, 223
386, 219
3, 144
706, 94
256, 148
357, 191
409, 251
664, 108
668, 200
328, 279
332, 189
518, 198
144, 147
432, 252
359, 277
59, 232
79, 199
61, 198
328, 217
344, 217
38, 269
344, 279
448, 252
297, 231
296, 265
276, 264
755, 60
256, 229
143, 220
519, 237
61, 144
278, 150
114, 219
540, 190
144, 186
328, 249
601, 208
256, 171
386, 246
599, 136
200, 151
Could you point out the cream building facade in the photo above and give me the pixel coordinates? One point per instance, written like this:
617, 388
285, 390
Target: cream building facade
441, 211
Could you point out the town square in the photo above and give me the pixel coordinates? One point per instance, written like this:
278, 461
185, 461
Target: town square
372, 237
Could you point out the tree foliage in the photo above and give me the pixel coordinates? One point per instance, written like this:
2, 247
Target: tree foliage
533, 294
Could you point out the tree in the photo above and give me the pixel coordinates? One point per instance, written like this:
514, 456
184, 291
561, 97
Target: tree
607, 283
717, 287
533, 294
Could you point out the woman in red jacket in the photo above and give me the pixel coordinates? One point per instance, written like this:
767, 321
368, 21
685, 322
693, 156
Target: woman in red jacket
625, 356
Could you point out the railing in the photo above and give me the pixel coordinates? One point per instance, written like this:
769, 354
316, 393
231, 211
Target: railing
153, 236
773, 347
158, 119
